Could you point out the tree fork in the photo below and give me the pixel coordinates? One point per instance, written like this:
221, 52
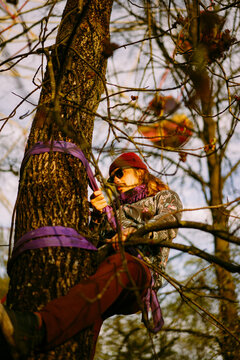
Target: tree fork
53, 186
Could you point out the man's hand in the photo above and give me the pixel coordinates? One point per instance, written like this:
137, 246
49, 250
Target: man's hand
124, 232
98, 200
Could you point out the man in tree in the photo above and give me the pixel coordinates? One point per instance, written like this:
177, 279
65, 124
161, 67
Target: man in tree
122, 281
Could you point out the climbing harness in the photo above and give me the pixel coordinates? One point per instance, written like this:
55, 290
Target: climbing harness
58, 235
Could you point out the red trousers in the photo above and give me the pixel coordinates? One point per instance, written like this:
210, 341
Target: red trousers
111, 290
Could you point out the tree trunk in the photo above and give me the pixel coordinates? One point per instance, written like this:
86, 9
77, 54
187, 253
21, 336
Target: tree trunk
53, 186
228, 305
228, 311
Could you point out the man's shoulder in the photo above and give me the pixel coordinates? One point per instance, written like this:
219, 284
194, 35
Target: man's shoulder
168, 196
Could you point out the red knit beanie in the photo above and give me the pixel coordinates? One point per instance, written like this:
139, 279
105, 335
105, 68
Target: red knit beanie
125, 160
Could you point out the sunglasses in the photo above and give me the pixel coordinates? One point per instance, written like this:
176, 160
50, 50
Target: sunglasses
119, 174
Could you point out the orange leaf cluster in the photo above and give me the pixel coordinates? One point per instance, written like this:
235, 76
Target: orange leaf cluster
174, 132
211, 146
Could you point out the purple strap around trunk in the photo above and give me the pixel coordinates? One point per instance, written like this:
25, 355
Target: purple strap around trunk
51, 236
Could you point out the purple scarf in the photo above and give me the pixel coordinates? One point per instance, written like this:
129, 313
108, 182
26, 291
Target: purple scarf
131, 196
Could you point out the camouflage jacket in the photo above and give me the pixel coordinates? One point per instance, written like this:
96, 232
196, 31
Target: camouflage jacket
163, 208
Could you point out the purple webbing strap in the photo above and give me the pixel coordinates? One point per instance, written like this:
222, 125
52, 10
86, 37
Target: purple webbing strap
151, 302
51, 236
156, 312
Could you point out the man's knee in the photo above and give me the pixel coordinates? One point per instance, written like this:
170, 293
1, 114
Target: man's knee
129, 268
139, 271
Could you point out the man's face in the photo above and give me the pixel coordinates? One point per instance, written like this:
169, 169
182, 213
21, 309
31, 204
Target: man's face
124, 179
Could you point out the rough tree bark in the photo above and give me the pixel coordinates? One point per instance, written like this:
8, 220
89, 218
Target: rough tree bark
53, 186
